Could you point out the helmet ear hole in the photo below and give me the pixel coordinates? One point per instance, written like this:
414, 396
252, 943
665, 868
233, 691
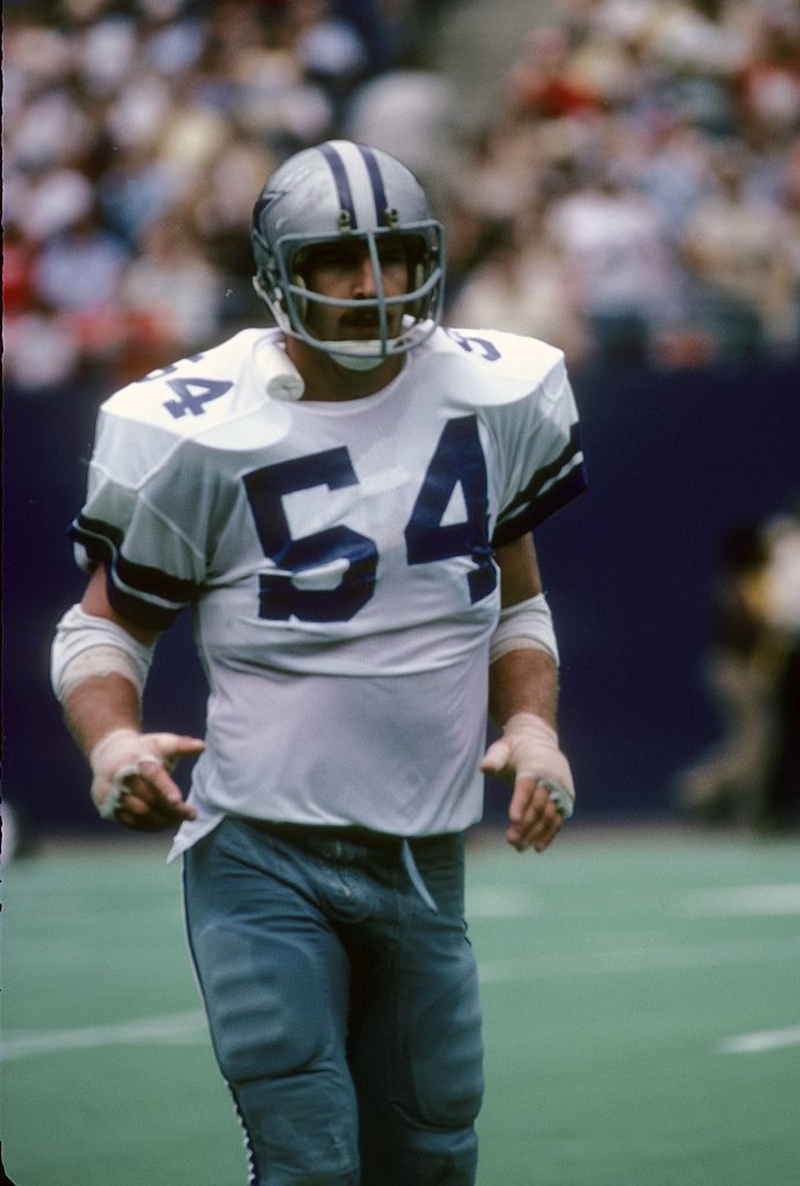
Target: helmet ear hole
266, 285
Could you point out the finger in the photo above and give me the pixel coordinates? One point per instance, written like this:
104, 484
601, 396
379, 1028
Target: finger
496, 757
535, 820
185, 745
518, 811
523, 802
546, 829
136, 812
542, 840
141, 819
152, 789
160, 787
515, 840
539, 816
171, 747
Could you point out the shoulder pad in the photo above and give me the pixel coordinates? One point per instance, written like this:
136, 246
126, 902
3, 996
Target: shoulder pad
205, 391
497, 367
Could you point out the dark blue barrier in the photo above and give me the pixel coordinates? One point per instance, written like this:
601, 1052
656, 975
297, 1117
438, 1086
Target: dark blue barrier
674, 460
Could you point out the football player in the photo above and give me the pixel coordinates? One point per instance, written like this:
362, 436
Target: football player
344, 501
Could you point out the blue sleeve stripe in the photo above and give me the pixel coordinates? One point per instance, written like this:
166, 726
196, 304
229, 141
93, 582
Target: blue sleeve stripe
536, 510
543, 477
101, 540
132, 586
143, 613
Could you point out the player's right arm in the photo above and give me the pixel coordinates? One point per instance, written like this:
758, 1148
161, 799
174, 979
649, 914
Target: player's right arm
99, 668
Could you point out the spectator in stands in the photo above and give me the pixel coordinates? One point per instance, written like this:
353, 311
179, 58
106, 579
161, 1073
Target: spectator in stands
140, 105
41, 349
81, 269
736, 245
617, 264
677, 172
768, 81
174, 288
409, 113
541, 83
522, 283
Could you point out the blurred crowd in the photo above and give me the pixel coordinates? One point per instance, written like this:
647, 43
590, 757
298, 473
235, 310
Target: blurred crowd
631, 191
646, 160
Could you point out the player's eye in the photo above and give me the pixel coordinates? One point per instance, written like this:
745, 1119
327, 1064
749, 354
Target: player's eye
392, 252
327, 256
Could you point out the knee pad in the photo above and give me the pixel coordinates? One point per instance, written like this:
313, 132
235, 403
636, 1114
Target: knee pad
447, 1067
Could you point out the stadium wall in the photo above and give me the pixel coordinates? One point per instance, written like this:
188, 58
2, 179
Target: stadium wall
674, 461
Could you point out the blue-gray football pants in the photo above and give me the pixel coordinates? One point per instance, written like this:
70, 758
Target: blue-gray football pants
342, 999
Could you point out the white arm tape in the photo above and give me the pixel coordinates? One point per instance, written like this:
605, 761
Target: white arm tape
528, 625
115, 758
86, 646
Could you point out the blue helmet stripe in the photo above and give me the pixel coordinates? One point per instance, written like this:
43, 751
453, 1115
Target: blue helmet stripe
338, 167
339, 172
376, 179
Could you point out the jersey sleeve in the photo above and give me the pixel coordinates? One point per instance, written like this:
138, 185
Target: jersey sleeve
144, 519
541, 462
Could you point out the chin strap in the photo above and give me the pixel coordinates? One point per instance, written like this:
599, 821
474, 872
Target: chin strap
359, 362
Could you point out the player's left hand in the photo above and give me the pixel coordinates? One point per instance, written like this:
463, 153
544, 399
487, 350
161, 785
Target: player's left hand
529, 757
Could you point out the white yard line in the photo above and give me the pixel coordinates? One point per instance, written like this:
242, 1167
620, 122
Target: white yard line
624, 961
176, 1029
761, 1040
493, 901
190, 1028
742, 900
501, 902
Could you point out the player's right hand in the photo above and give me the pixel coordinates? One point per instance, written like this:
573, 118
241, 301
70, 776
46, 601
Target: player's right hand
131, 782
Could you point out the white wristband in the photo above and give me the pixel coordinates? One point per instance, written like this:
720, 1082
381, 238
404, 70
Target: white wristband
526, 625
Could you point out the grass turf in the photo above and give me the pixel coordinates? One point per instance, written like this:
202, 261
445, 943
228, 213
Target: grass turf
616, 970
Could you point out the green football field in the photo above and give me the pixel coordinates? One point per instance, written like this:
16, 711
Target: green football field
642, 1016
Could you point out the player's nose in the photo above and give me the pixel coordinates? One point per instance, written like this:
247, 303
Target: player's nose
364, 280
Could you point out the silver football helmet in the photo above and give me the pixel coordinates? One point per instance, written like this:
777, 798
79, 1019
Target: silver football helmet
341, 192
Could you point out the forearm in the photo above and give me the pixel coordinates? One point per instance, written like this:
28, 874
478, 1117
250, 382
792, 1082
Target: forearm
523, 681
523, 696
99, 706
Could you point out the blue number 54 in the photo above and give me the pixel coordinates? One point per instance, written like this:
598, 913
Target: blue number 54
457, 460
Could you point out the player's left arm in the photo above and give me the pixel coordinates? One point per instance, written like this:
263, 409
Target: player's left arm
523, 697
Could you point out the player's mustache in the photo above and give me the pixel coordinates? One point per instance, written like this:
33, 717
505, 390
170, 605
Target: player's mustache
360, 318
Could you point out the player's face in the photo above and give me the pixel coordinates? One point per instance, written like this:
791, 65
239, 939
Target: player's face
344, 271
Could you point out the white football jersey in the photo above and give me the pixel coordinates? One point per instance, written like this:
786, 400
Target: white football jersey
338, 560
